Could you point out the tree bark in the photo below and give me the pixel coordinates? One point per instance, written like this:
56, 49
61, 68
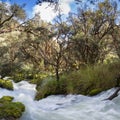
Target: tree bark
115, 94
57, 74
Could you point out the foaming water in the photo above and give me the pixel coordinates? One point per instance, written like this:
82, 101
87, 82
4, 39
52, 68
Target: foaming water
70, 107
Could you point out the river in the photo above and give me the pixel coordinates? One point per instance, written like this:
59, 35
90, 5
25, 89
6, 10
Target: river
70, 107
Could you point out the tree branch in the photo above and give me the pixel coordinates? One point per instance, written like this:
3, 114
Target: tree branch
3, 22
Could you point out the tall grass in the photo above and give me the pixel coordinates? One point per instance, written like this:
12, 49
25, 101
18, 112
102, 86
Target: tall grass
88, 81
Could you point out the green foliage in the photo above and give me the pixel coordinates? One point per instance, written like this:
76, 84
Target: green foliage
6, 84
17, 77
87, 81
48, 89
38, 78
85, 39
10, 110
8, 69
50, 86
92, 77
18, 11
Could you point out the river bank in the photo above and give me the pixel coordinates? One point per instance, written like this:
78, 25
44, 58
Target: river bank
60, 107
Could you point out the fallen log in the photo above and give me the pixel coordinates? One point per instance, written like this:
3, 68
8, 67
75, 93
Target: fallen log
115, 94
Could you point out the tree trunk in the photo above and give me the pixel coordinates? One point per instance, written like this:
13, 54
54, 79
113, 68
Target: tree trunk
57, 74
115, 94
57, 79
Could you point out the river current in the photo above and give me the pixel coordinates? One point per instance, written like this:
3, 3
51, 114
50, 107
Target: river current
60, 107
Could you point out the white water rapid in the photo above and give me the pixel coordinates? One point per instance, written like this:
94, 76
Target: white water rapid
70, 107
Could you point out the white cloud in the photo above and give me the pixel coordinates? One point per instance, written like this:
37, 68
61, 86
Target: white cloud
47, 13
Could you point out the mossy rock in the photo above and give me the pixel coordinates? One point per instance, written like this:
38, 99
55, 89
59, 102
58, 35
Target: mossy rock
6, 99
10, 110
95, 91
6, 84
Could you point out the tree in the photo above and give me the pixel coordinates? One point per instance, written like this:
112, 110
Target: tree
57, 1
90, 39
47, 45
50, 1
116, 39
9, 13
9, 21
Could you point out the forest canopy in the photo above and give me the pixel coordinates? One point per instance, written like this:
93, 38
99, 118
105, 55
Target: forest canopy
87, 37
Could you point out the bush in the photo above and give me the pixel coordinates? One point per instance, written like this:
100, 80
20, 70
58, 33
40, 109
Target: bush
87, 81
47, 89
17, 77
50, 87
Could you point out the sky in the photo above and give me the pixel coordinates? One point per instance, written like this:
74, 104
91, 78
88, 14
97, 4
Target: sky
46, 13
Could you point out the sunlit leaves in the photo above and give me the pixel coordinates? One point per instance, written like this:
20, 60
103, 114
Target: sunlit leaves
18, 11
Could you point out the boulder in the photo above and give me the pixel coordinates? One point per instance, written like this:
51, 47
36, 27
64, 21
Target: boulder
95, 92
6, 84
10, 110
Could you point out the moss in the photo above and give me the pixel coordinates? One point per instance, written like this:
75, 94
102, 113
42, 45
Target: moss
10, 110
6, 99
6, 84
95, 92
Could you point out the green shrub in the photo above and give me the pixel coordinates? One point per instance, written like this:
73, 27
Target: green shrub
87, 81
48, 89
92, 77
17, 77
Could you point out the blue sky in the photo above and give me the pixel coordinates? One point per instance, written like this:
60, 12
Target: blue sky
29, 4
46, 13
